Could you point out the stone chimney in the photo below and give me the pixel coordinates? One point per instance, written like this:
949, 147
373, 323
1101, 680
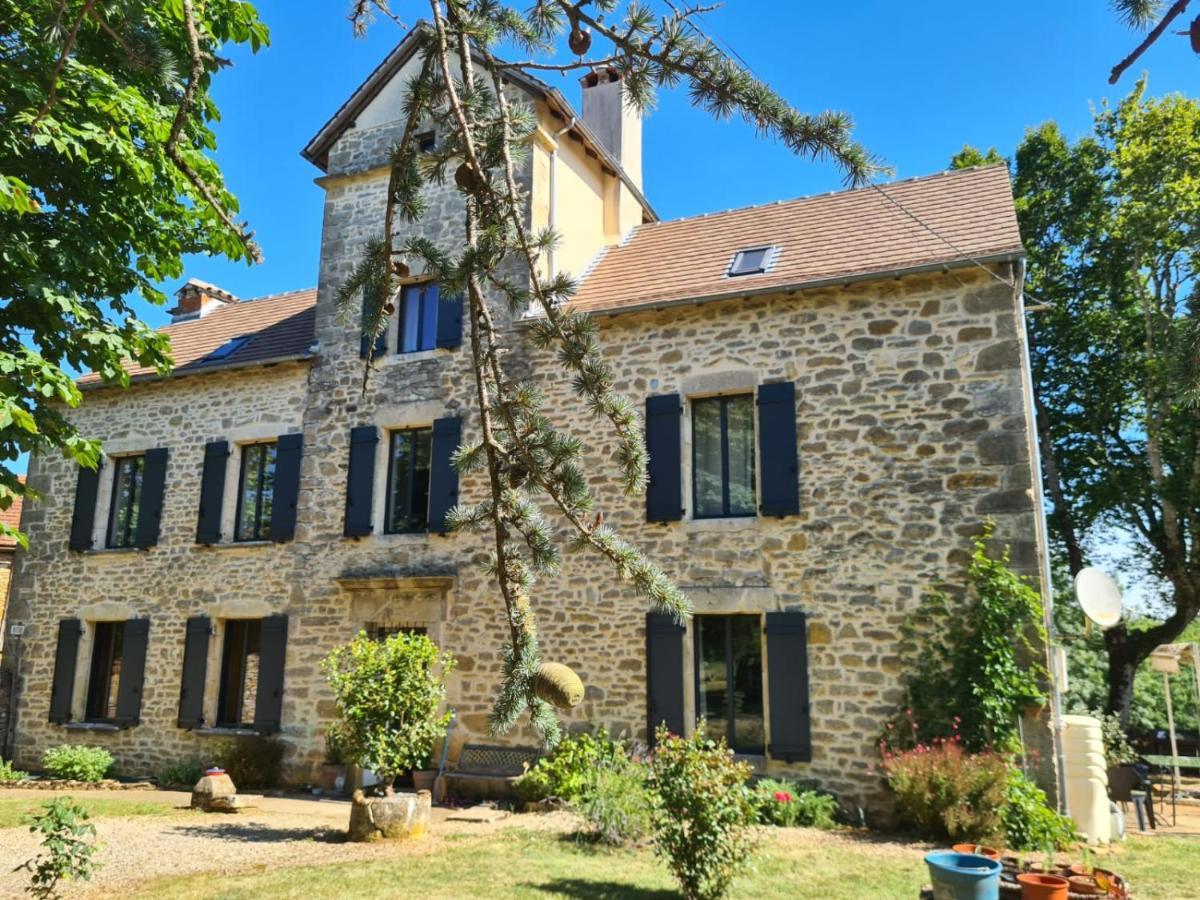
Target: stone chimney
198, 298
618, 126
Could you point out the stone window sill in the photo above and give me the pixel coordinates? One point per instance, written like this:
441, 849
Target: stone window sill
399, 536
237, 545
115, 551
732, 523
226, 731
393, 359
92, 726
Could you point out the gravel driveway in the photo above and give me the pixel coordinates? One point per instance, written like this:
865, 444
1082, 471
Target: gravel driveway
137, 849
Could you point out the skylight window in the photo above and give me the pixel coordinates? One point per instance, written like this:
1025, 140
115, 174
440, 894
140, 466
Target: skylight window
426, 141
230, 347
752, 261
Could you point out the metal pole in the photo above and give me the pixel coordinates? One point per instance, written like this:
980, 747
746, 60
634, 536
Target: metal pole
1174, 748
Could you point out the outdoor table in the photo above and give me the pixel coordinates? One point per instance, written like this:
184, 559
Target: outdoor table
1168, 764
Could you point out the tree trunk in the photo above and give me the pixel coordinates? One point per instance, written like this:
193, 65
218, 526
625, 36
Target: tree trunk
1127, 650
1063, 521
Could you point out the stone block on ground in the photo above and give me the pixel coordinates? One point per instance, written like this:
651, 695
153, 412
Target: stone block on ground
397, 817
211, 787
231, 803
478, 814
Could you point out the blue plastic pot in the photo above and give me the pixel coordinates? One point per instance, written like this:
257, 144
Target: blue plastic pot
963, 876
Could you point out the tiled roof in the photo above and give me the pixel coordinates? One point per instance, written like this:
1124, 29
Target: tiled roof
823, 238
281, 326
12, 518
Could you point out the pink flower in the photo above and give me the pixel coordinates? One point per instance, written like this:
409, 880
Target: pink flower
783, 797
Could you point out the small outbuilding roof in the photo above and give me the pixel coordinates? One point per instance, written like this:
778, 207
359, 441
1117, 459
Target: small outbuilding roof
951, 219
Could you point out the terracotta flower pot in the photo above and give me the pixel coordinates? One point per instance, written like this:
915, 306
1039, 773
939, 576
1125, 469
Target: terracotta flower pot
977, 849
423, 779
1043, 887
1085, 884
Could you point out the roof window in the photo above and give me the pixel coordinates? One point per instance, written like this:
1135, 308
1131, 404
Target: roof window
230, 347
752, 261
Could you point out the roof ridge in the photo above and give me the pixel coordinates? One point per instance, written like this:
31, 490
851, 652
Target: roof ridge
818, 194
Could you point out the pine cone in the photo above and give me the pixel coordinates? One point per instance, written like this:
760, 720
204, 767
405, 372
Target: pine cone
557, 685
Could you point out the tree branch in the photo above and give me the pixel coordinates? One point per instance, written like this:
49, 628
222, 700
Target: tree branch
1173, 13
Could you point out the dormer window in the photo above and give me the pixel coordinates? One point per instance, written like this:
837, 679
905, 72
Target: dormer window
752, 261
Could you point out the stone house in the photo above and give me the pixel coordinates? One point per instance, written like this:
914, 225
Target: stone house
836, 398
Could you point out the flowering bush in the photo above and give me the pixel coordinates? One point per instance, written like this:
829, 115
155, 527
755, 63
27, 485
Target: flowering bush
784, 803
942, 791
702, 812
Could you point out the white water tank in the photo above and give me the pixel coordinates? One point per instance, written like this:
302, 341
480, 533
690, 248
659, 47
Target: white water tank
1087, 778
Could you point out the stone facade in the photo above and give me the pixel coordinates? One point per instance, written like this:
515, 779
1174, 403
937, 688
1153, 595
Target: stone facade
912, 424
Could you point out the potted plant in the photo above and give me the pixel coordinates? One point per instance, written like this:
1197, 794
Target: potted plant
389, 697
333, 769
423, 776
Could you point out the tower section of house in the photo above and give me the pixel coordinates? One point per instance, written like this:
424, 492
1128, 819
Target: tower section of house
835, 400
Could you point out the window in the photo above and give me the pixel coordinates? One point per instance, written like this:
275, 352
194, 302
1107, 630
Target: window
381, 631
723, 456
408, 481
239, 672
418, 318
230, 347
426, 141
105, 673
729, 680
256, 490
751, 262
126, 500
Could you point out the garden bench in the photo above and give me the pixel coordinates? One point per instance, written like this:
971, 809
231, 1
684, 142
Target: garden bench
487, 772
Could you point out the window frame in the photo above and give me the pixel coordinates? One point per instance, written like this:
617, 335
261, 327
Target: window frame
261, 530
128, 539
728, 712
739, 258
418, 290
724, 400
101, 695
389, 485
223, 698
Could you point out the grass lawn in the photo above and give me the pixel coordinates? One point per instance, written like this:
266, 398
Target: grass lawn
15, 811
796, 863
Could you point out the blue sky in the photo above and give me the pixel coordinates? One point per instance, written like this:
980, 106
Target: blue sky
919, 81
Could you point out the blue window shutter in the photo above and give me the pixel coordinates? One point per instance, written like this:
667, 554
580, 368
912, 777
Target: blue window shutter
779, 471
63, 685
133, 669
664, 445
360, 480
212, 492
272, 654
664, 674
195, 668
449, 321
364, 342
150, 504
443, 477
288, 450
787, 686
84, 518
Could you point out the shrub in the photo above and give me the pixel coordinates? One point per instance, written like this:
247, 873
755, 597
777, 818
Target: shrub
1117, 749
8, 773
69, 841
389, 697
187, 771
77, 762
944, 792
701, 812
569, 772
785, 803
1029, 821
617, 806
253, 761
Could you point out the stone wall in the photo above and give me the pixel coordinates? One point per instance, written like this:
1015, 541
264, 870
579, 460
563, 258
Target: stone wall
169, 582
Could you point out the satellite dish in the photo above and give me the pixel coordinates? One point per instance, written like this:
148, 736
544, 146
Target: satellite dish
1099, 597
